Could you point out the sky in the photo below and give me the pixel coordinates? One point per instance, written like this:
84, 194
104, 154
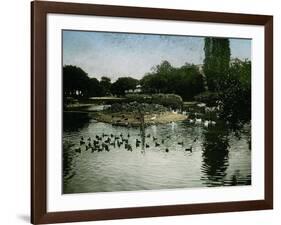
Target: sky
121, 54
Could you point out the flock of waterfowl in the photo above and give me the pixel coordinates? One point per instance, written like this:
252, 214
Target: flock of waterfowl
206, 123
105, 142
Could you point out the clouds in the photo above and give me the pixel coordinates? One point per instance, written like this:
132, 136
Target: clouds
120, 54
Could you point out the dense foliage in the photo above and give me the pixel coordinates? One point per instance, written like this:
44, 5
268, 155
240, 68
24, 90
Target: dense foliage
77, 84
105, 84
75, 81
95, 88
185, 81
123, 84
208, 97
169, 100
235, 98
216, 62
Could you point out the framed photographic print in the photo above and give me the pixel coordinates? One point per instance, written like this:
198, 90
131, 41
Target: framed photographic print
143, 112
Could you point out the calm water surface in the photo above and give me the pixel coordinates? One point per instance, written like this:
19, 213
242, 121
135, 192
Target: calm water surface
218, 157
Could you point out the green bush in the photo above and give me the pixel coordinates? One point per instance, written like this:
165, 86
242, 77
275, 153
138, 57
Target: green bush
208, 97
168, 100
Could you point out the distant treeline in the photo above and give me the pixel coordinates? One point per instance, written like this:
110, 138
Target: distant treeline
77, 84
185, 81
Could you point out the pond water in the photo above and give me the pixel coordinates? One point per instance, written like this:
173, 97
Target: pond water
162, 158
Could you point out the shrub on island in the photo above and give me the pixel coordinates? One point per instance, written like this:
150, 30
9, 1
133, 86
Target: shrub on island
168, 100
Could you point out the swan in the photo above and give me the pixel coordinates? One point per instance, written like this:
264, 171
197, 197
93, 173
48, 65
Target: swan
153, 118
206, 123
213, 122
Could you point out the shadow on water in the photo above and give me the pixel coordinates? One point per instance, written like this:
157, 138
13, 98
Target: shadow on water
68, 161
215, 155
75, 121
142, 130
72, 122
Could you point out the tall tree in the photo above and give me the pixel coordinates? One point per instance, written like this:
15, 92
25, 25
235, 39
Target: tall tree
106, 85
216, 62
123, 84
95, 89
75, 81
235, 99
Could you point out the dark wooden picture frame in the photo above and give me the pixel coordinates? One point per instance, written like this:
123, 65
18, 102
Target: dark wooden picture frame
39, 11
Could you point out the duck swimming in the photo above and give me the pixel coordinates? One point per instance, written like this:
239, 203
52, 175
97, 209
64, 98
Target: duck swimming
78, 150
189, 149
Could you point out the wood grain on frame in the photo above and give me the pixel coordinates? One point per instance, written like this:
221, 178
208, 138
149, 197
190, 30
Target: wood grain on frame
39, 11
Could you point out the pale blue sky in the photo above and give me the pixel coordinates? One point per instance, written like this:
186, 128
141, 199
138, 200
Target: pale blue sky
120, 54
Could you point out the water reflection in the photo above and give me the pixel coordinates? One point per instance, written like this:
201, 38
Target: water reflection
68, 161
73, 121
215, 155
218, 157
